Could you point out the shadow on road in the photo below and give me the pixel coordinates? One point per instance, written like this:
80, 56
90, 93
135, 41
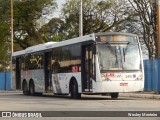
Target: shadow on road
84, 97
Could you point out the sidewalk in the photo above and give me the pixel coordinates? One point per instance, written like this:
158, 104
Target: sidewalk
147, 95
10, 91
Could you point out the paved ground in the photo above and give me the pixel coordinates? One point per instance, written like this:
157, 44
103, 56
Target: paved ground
147, 95
16, 101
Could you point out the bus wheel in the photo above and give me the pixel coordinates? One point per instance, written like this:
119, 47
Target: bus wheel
114, 95
74, 91
25, 90
31, 88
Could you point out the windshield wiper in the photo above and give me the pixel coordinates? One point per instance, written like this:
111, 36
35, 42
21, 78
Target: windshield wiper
124, 51
128, 43
124, 55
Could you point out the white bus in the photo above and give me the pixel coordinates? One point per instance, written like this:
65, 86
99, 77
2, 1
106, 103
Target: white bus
102, 63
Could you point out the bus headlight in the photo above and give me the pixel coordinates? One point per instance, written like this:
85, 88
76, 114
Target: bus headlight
103, 77
139, 77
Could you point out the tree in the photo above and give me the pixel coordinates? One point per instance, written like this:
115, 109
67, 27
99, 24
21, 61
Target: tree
4, 34
98, 16
54, 30
146, 10
26, 15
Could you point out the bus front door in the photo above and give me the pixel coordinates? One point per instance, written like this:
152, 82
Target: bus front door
47, 69
87, 68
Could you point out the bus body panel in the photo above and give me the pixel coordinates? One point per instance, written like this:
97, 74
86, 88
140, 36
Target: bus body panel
61, 81
38, 78
98, 75
118, 86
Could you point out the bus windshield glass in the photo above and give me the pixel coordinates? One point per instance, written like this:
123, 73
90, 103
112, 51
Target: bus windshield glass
119, 56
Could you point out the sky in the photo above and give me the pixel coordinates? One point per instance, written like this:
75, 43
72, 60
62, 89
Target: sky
56, 13
59, 2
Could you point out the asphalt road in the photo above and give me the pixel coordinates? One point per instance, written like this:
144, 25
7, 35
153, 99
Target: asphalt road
19, 102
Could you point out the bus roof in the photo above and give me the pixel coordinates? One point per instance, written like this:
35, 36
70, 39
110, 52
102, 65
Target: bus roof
18, 53
51, 45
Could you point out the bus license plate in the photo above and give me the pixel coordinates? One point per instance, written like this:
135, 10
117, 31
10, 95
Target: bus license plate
123, 84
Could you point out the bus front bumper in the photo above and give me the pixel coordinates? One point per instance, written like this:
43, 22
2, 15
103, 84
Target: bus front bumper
117, 86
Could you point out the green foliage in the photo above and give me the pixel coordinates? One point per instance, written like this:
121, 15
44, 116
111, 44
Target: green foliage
4, 31
146, 11
4, 20
26, 26
54, 30
98, 16
26, 15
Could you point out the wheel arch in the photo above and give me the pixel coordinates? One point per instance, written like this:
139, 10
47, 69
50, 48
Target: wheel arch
23, 82
73, 80
31, 81
25, 87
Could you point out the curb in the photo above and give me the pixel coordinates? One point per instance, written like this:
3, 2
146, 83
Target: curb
10, 91
141, 95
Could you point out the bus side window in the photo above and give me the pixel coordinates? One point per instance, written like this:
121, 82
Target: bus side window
55, 66
56, 59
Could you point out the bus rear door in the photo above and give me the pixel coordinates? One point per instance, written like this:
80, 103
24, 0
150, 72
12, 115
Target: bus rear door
47, 70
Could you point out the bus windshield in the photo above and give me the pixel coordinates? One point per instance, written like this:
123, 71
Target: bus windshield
119, 56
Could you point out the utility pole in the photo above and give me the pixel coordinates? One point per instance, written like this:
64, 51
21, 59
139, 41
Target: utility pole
80, 20
11, 2
11, 27
158, 27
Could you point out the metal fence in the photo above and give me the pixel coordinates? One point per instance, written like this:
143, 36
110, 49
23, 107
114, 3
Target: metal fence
152, 78
5, 81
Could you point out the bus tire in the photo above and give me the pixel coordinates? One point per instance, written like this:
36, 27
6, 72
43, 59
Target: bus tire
31, 88
74, 91
114, 95
25, 89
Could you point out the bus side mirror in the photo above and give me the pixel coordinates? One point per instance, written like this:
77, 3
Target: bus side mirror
94, 50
